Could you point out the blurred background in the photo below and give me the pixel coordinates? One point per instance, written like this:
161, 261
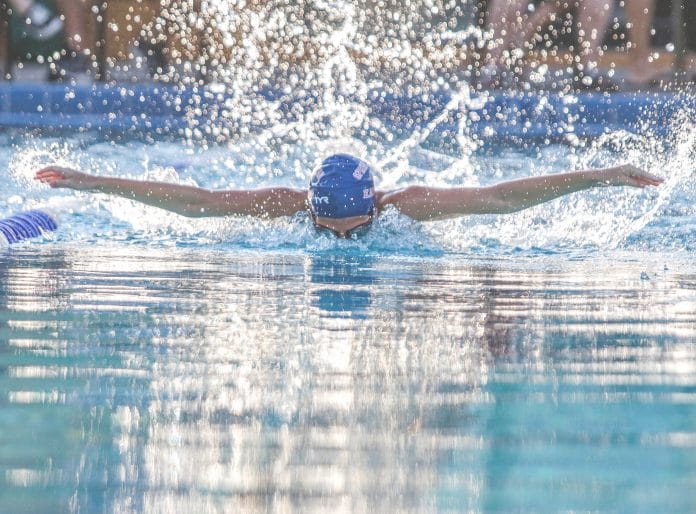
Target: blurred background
625, 44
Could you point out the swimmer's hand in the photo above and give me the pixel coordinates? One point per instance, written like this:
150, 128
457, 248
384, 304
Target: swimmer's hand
626, 175
58, 176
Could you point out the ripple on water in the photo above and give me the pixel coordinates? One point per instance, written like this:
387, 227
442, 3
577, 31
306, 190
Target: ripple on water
136, 377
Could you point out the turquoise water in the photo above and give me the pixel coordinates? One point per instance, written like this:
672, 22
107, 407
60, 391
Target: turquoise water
539, 362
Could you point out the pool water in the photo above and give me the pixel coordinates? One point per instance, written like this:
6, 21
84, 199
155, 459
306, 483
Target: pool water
538, 362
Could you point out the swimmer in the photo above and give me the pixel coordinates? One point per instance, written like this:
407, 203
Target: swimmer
342, 198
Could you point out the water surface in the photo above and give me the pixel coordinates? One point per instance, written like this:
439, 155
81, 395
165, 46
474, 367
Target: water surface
192, 380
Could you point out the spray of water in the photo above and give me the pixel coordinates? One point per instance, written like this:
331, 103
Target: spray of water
295, 80
608, 218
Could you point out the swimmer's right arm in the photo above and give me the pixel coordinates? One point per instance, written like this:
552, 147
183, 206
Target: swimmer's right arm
185, 200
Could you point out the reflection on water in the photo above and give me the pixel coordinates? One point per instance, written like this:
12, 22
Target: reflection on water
146, 380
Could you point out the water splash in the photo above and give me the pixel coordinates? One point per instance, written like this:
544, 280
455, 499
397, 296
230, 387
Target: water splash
294, 80
605, 218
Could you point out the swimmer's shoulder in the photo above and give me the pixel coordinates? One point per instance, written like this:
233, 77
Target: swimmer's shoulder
379, 200
385, 198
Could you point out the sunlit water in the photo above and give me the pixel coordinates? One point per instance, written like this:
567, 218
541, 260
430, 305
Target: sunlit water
538, 362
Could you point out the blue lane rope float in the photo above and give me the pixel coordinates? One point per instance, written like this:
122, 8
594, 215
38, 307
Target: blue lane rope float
26, 225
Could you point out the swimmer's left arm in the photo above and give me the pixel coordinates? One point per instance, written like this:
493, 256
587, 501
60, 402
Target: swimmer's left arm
429, 203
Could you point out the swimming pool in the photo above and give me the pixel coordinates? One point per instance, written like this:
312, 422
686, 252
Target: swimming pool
539, 362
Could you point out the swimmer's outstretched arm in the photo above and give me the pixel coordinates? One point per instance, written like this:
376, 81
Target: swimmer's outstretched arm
185, 200
431, 203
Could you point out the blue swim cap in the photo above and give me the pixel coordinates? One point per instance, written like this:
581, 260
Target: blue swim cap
342, 187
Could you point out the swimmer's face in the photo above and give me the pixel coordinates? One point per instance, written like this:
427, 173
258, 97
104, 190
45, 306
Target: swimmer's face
344, 228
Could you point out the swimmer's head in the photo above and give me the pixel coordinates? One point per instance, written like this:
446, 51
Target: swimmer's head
342, 187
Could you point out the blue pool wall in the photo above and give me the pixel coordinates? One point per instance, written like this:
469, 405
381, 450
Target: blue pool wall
171, 110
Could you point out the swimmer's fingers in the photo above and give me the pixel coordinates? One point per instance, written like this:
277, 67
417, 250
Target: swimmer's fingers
60, 170
51, 174
644, 180
629, 175
51, 178
644, 176
57, 177
640, 178
47, 173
